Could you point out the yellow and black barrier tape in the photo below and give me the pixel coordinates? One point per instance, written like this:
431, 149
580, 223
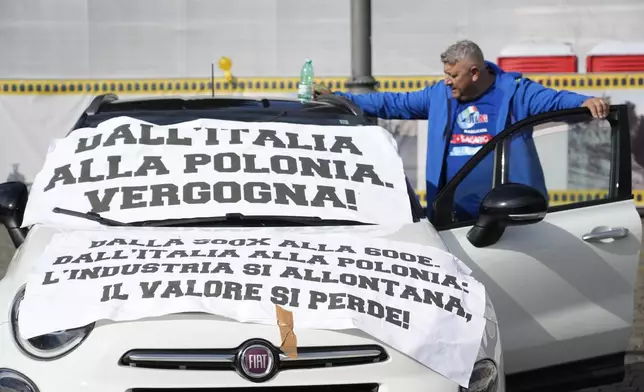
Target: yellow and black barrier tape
563, 197
286, 85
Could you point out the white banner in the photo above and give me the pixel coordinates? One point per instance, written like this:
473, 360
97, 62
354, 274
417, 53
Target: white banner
420, 300
129, 170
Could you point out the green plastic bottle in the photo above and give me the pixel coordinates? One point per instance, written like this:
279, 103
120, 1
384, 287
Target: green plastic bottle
305, 88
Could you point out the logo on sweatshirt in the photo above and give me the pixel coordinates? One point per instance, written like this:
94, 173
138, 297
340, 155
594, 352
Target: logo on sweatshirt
471, 139
459, 151
470, 117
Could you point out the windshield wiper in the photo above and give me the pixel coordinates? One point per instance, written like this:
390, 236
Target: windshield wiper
93, 216
228, 218
237, 217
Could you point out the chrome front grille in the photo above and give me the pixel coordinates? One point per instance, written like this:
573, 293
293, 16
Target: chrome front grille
303, 388
225, 359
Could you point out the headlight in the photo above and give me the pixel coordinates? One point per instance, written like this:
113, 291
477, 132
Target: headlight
50, 346
484, 377
12, 381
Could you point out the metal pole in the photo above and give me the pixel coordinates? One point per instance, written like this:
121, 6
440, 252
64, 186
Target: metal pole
361, 79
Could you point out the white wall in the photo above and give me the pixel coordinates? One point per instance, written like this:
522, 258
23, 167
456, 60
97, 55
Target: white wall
180, 38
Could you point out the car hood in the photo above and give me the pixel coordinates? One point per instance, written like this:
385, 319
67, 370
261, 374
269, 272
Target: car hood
420, 233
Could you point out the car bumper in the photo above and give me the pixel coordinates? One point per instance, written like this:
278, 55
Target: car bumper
94, 365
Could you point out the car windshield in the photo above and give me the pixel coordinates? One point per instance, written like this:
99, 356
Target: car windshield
266, 175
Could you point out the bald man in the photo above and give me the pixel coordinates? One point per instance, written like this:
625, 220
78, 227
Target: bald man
474, 102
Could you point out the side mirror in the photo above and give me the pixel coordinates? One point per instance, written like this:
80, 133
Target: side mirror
13, 200
506, 205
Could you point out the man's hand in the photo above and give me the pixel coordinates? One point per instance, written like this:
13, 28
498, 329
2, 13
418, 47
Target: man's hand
598, 107
320, 89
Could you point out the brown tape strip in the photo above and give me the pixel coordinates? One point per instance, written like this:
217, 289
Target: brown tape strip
285, 323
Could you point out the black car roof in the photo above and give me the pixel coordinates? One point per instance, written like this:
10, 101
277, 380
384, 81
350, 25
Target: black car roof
111, 102
248, 108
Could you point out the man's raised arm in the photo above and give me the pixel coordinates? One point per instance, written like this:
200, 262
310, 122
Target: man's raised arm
405, 106
542, 99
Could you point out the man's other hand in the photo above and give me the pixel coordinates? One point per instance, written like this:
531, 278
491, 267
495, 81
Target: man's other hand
320, 89
598, 107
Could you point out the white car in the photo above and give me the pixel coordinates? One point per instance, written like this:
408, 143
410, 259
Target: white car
560, 281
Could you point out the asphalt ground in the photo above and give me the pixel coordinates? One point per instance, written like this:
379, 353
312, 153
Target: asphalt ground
633, 382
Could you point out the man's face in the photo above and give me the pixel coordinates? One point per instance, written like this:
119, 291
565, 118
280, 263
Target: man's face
461, 78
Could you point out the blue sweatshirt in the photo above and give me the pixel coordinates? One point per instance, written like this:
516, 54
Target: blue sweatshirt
512, 98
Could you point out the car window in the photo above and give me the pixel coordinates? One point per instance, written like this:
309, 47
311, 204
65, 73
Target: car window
472, 189
166, 111
569, 159
575, 155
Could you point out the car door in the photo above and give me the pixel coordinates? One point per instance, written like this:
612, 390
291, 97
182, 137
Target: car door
562, 284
